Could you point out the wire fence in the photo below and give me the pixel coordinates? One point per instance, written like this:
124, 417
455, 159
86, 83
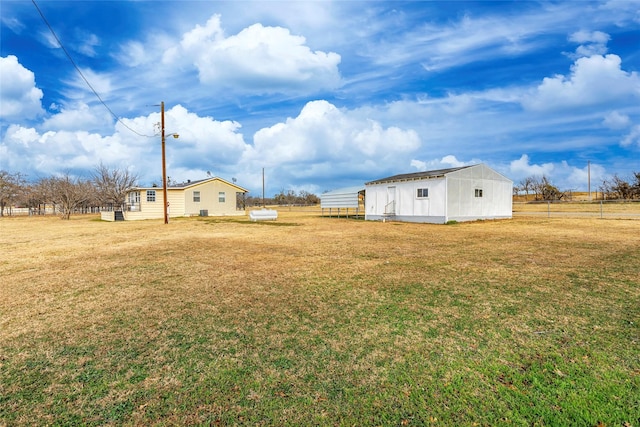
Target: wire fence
605, 209
612, 209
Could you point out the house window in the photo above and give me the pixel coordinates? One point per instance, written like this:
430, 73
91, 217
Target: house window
423, 193
196, 196
221, 197
151, 195
478, 192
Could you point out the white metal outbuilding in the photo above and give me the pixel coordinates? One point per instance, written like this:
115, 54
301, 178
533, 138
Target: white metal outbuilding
465, 193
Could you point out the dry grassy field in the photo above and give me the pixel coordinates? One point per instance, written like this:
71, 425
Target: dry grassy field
319, 321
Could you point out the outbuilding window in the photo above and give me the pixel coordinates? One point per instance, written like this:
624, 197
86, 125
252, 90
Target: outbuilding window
196, 196
423, 193
151, 195
478, 192
221, 197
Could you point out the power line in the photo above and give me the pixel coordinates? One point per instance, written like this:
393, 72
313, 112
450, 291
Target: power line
82, 75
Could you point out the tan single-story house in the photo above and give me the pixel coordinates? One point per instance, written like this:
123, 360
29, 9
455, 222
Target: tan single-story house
207, 197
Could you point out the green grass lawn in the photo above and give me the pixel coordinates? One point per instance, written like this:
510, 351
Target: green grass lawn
322, 322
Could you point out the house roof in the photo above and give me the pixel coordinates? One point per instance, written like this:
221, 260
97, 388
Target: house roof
189, 183
416, 175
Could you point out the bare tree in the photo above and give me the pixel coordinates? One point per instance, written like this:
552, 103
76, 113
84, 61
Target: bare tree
37, 196
308, 198
241, 201
40, 195
605, 189
526, 185
11, 188
70, 194
535, 185
544, 190
621, 188
280, 198
111, 185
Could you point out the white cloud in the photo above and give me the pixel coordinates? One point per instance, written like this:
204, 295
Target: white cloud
632, 138
616, 120
133, 54
19, 96
21, 135
49, 39
561, 174
589, 37
13, 23
203, 144
574, 178
100, 82
54, 151
621, 13
78, 116
591, 43
452, 161
593, 80
260, 59
323, 133
88, 43
470, 38
522, 168
446, 162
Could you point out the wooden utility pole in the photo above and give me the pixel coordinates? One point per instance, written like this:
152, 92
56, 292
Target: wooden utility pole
164, 168
589, 177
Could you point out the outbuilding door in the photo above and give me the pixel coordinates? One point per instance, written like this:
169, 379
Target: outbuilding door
390, 207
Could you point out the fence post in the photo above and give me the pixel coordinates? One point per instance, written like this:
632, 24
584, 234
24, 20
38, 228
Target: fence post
601, 209
548, 209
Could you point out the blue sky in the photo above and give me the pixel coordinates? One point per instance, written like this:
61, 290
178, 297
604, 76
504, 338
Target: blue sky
322, 94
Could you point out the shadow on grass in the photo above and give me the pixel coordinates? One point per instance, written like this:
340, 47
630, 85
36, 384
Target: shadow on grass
246, 221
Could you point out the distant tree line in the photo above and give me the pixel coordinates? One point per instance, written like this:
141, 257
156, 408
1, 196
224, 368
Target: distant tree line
285, 198
615, 188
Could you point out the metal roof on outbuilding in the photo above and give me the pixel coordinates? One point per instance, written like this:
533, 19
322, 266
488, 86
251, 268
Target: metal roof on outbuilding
346, 190
416, 175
